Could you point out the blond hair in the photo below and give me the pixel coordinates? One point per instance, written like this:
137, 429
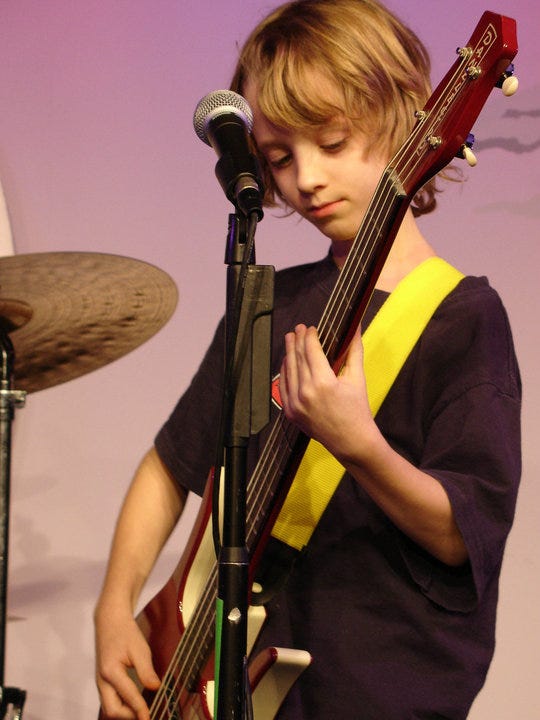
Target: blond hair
379, 68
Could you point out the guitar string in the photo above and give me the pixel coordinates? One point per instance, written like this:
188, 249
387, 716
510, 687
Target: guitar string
277, 451
350, 271
259, 492
206, 609
347, 278
170, 690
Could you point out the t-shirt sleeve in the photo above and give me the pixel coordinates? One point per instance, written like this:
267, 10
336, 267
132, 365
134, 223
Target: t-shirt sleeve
472, 444
187, 442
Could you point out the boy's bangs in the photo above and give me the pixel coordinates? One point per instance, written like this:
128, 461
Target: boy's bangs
294, 94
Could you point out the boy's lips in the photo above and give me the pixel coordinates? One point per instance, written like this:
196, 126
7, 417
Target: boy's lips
324, 209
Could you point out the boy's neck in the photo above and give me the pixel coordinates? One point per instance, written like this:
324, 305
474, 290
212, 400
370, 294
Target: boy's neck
409, 249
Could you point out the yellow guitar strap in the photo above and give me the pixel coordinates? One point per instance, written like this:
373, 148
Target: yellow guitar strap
388, 341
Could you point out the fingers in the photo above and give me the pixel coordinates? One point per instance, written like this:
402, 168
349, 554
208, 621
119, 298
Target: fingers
148, 676
304, 365
117, 673
307, 380
303, 352
354, 360
291, 367
120, 696
113, 706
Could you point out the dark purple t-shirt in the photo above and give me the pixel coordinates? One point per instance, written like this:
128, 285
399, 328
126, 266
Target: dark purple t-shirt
394, 633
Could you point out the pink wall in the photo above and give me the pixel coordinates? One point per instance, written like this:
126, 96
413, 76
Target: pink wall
97, 153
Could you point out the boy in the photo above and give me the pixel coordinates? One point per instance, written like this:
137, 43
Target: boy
395, 594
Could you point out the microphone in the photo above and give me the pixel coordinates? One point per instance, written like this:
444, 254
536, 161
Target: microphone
222, 119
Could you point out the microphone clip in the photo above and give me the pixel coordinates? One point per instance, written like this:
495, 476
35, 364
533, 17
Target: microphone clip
244, 189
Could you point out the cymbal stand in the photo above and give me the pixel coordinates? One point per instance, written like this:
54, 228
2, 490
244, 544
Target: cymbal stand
11, 699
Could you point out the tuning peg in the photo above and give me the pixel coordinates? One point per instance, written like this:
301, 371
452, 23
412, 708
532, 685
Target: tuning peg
466, 153
508, 82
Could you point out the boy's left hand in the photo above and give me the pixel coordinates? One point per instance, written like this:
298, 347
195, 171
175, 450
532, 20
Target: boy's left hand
331, 409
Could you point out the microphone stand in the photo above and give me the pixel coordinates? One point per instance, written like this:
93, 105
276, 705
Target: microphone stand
11, 699
250, 293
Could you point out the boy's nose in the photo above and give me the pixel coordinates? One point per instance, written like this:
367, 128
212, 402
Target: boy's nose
310, 174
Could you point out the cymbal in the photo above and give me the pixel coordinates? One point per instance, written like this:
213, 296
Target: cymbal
68, 313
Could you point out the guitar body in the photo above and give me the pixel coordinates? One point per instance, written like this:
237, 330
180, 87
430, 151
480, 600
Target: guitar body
164, 620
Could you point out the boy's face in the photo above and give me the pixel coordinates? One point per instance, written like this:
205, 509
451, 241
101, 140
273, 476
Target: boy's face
325, 173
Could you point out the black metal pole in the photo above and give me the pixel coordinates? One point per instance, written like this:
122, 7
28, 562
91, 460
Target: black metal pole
246, 411
9, 399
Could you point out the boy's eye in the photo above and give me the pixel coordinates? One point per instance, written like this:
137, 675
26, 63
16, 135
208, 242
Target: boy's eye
336, 145
279, 161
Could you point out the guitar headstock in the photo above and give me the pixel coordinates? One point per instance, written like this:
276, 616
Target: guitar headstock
444, 124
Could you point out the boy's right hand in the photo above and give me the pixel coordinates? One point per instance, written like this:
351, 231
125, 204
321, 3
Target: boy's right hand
121, 648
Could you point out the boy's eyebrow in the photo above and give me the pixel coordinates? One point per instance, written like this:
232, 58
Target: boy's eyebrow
270, 145
270, 140
281, 139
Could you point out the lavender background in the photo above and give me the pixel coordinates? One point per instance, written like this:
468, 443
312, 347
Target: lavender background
97, 153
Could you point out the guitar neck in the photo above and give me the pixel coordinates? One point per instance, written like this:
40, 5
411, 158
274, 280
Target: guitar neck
354, 287
346, 306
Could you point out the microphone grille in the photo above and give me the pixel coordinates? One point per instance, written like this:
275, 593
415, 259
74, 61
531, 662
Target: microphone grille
218, 103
